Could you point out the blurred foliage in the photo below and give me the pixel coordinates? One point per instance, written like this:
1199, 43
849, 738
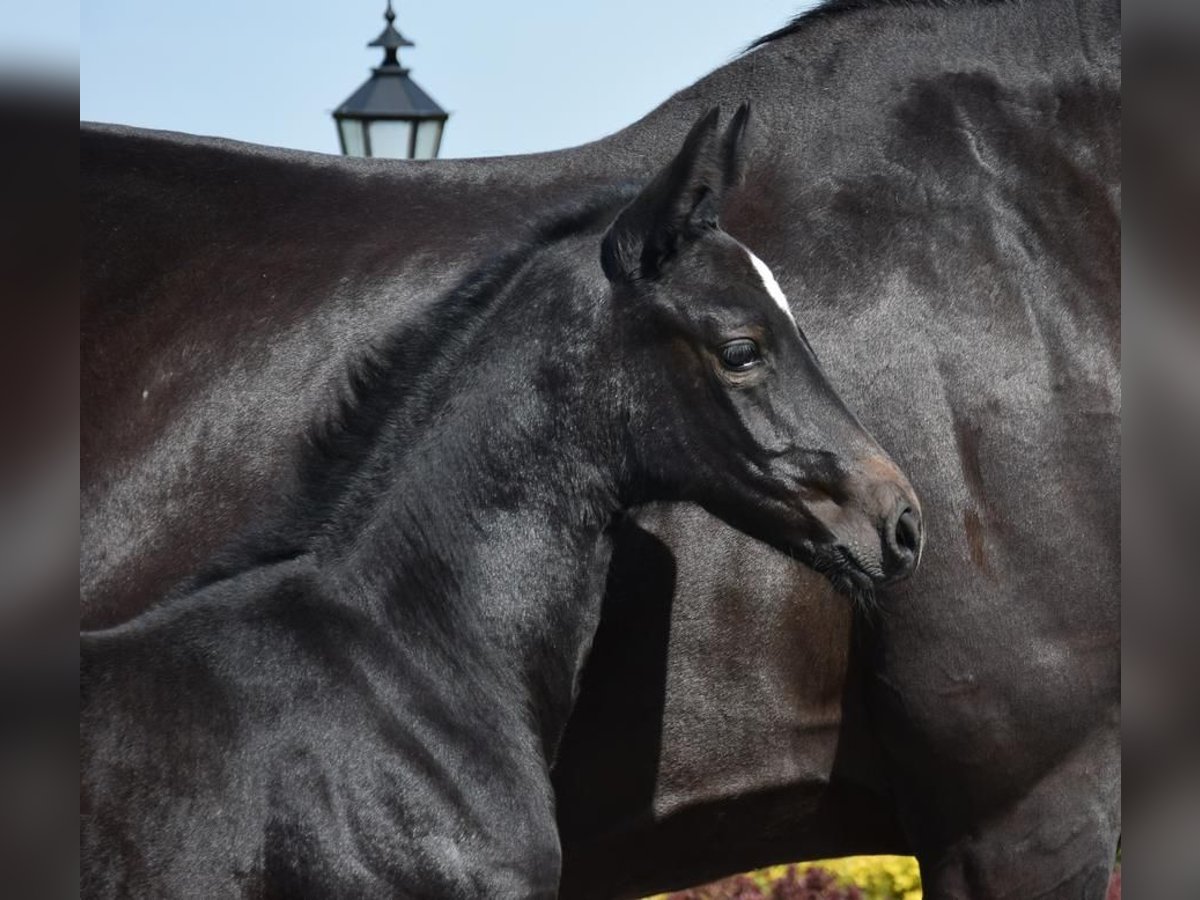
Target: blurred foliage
1114, 885
849, 878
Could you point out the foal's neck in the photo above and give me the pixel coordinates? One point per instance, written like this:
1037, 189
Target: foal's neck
479, 524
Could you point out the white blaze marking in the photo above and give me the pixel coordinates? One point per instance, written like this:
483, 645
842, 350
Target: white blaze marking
772, 286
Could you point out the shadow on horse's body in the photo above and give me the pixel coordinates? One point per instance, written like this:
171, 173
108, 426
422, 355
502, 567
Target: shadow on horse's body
365, 694
937, 189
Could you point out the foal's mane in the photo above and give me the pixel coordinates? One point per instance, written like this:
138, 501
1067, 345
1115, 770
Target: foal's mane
832, 9
399, 369
410, 357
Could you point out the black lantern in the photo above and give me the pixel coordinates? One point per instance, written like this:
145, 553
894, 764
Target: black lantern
390, 115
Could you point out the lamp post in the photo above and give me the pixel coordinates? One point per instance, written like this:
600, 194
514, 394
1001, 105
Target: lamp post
389, 115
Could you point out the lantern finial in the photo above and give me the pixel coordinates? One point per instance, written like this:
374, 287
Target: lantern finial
390, 40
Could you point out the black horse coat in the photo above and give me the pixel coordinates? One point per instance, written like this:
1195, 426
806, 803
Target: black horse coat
936, 186
364, 694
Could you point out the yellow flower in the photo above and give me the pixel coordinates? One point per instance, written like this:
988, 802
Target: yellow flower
878, 877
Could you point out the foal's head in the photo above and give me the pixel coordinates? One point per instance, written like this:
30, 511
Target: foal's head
728, 404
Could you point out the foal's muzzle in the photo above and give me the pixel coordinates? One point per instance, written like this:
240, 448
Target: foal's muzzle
876, 528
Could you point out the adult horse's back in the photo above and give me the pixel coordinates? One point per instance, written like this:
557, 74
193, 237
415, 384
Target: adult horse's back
224, 292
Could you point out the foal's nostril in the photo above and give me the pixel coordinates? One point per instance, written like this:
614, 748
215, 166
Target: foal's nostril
903, 542
908, 531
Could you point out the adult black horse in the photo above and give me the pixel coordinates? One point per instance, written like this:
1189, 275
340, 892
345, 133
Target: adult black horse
936, 185
364, 698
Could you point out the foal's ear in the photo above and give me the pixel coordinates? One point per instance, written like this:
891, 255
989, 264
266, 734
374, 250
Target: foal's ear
682, 202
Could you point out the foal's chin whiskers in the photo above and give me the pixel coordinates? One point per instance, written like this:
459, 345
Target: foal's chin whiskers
862, 597
866, 604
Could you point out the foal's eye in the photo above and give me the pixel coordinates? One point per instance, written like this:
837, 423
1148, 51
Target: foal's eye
740, 355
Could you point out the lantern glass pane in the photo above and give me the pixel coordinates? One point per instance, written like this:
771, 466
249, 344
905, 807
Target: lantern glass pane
352, 137
391, 138
429, 134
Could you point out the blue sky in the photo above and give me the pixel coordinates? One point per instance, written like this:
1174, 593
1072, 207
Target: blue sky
38, 34
516, 75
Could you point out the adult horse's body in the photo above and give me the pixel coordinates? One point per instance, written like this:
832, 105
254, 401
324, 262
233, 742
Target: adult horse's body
936, 187
364, 698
